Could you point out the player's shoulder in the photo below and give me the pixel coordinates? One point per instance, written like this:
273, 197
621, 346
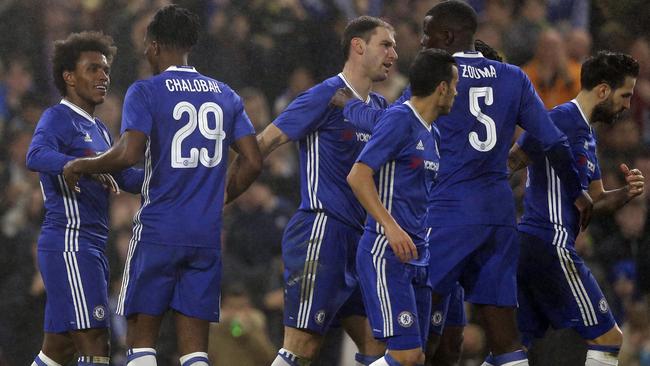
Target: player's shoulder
568, 118
53, 116
144, 86
320, 92
328, 86
400, 117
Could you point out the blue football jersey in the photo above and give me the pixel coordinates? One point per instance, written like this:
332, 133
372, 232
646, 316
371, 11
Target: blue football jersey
63, 133
403, 153
328, 146
492, 98
547, 209
472, 185
191, 121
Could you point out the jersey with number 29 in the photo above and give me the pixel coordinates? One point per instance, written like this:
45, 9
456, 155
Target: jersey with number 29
190, 120
472, 186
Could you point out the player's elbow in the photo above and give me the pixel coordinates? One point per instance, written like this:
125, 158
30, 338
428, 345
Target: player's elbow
353, 177
31, 161
128, 159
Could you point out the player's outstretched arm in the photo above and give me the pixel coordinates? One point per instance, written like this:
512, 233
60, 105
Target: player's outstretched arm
610, 201
362, 115
270, 139
517, 159
245, 168
363, 186
125, 153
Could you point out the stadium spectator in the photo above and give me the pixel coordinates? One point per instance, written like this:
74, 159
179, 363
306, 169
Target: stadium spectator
555, 76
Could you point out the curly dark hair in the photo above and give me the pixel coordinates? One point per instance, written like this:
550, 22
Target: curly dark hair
67, 53
175, 27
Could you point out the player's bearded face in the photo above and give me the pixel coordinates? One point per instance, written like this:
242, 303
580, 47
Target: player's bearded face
611, 109
604, 112
380, 54
91, 77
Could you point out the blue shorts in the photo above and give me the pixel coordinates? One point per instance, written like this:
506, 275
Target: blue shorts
450, 312
397, 295
483, 258
76, 285
161, 277
319, 271
557, 289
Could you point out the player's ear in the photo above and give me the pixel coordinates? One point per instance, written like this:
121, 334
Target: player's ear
68, 78
443, 87
449, 38
357, 45
603, 91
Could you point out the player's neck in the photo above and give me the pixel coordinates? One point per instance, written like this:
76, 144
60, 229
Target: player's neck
587, 103
169, 58
358, 80
79, 102
423, 105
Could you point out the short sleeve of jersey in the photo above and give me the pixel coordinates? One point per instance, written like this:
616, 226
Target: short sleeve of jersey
243, 124
388, 138
136, 113
305, 113
533, 116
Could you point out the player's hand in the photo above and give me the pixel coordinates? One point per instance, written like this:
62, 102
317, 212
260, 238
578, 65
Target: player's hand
107, 181
401, 243
341, 97
635, 181
585, 206
71, 174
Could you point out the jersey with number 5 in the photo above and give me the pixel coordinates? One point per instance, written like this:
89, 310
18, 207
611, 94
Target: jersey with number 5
476, 136
190, 121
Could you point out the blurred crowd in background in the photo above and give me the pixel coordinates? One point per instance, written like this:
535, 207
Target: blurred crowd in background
269, 51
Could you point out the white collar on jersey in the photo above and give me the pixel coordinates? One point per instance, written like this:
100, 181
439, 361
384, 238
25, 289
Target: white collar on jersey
78, 109
424, 123
181, 68
352, 88
471, 54
584, 118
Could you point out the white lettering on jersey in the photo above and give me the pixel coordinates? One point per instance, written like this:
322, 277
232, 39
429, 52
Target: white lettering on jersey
476, 73
591, 166
363, 137
431, 165
195, 86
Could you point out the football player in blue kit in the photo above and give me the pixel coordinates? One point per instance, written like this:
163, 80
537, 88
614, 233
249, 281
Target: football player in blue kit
393, 179
320, 241
75, 229
448, 317
473, 238
183, 123
555, 286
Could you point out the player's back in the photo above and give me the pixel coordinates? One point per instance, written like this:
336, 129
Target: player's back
193, 121
472, 183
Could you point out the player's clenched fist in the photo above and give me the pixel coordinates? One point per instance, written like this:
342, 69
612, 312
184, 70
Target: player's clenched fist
635, 181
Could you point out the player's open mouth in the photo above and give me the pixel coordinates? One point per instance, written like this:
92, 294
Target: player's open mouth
101, 88
387, 65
